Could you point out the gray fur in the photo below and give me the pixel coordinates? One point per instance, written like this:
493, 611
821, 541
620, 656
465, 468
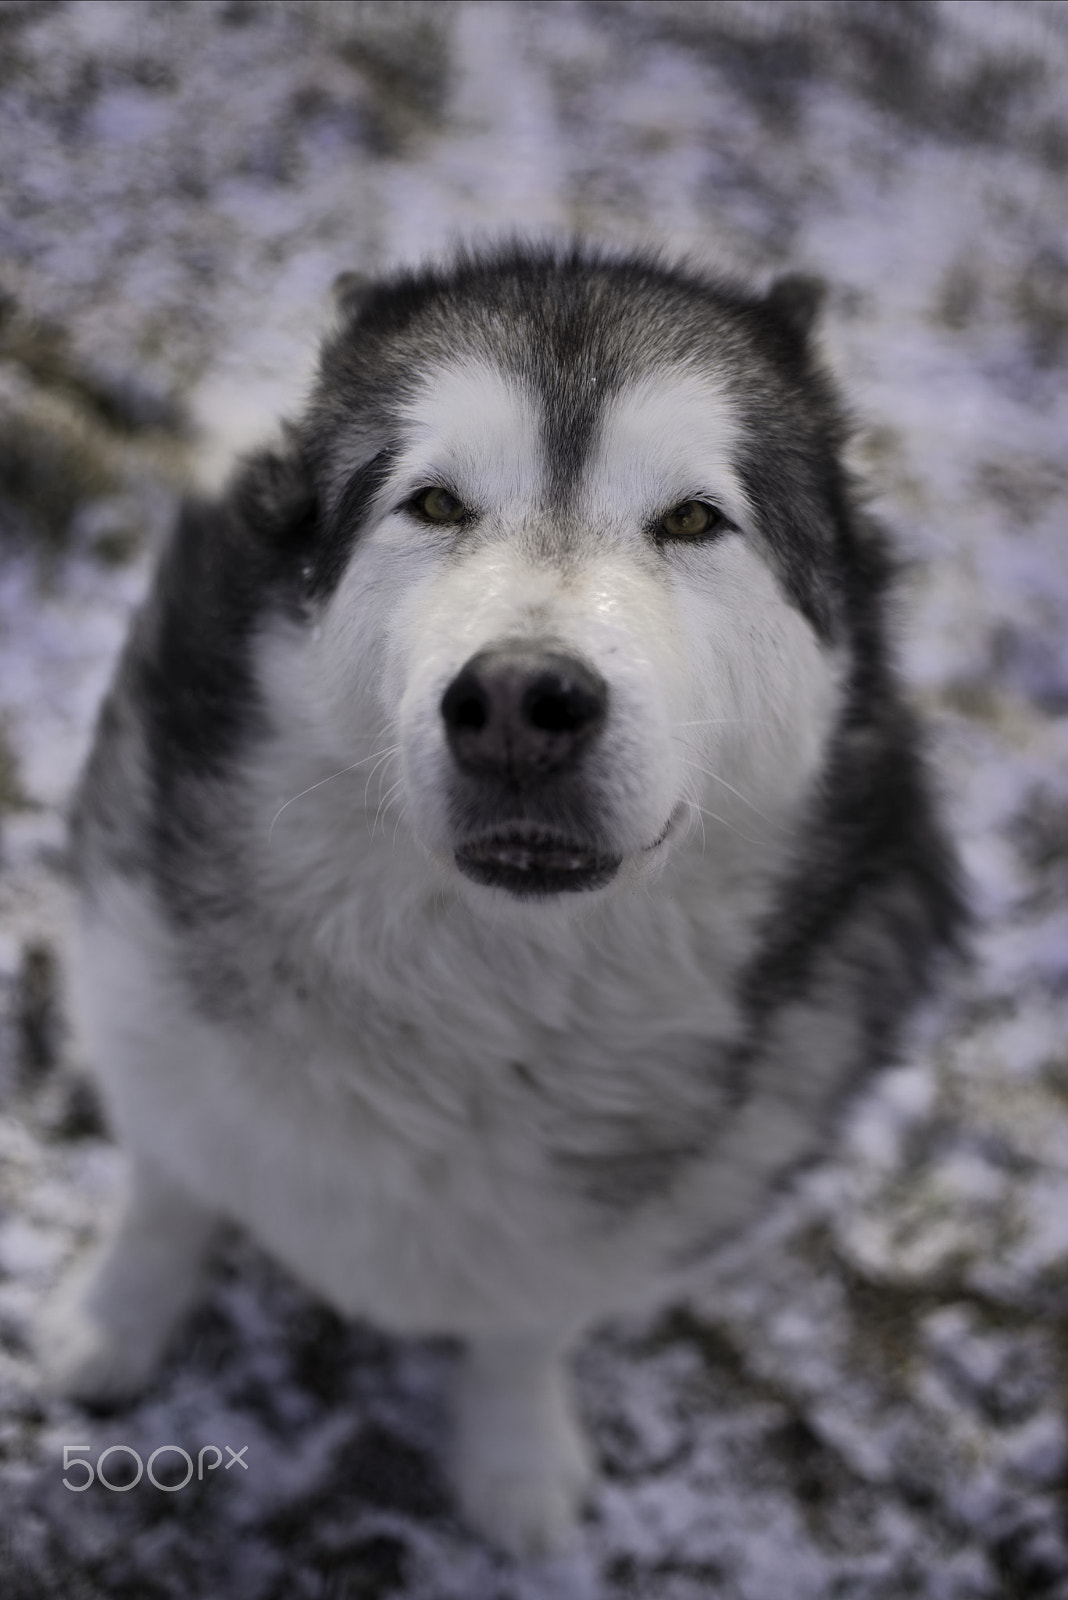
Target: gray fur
691, 1017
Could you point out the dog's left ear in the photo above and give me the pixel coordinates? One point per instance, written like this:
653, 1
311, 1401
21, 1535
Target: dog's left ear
795, 301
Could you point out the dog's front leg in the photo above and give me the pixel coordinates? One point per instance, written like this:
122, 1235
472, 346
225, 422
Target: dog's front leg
103, 1332
522, 1463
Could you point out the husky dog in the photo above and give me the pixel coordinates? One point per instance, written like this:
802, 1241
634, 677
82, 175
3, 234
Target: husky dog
505, 845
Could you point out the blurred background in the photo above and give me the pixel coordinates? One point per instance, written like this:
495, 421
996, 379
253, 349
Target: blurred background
868, 1401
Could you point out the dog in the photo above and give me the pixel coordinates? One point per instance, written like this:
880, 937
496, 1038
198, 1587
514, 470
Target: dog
505, 846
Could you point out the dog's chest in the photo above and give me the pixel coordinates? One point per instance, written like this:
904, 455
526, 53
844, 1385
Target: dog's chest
482, 1111
429, 1117
565, 1057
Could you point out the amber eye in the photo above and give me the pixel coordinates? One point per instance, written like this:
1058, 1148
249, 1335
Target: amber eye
693, 519
438, 505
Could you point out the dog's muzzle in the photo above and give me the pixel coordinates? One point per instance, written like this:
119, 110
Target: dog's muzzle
518, 718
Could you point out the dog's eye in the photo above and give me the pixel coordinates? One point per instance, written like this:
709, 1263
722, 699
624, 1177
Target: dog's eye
693, 519
437, 505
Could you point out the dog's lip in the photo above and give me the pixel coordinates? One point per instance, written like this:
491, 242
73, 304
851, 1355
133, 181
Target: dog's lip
531, 847
669, 828
531, 861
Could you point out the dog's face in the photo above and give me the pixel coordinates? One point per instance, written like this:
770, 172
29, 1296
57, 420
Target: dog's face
564, 603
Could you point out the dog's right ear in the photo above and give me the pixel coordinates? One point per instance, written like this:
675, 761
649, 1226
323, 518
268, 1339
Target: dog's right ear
795, 301
349, 291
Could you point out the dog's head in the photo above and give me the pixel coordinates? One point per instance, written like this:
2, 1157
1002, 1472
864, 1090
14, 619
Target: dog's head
577, 543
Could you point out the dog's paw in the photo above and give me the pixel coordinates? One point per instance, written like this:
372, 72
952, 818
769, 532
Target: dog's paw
104, 1332
82, 1356
524, 1492
529, 1514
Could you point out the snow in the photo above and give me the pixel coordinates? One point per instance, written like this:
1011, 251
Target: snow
865, 1400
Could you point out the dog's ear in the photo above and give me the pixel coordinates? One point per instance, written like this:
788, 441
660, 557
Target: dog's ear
349, 291
795, 301
274, 494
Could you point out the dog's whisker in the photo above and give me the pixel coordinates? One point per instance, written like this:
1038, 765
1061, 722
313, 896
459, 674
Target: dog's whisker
691, 801
715, 816
401, 814
312, 786
383, 803
726, 722
700, 767
383, 762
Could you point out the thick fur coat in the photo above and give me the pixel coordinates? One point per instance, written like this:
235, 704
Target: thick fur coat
505, 845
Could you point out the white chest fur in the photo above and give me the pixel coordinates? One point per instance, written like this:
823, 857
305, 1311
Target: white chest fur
414, 1113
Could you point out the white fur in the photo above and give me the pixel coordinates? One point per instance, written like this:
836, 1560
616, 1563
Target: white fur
388, 1124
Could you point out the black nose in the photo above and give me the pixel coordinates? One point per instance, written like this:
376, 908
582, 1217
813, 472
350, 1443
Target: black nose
522, 712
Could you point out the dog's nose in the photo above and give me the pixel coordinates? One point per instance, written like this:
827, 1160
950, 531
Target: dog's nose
522, 711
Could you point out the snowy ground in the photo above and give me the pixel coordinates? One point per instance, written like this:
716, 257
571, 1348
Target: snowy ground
867, 1402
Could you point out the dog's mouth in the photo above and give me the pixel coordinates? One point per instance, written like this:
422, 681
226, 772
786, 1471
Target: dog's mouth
532, 861
668, 829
